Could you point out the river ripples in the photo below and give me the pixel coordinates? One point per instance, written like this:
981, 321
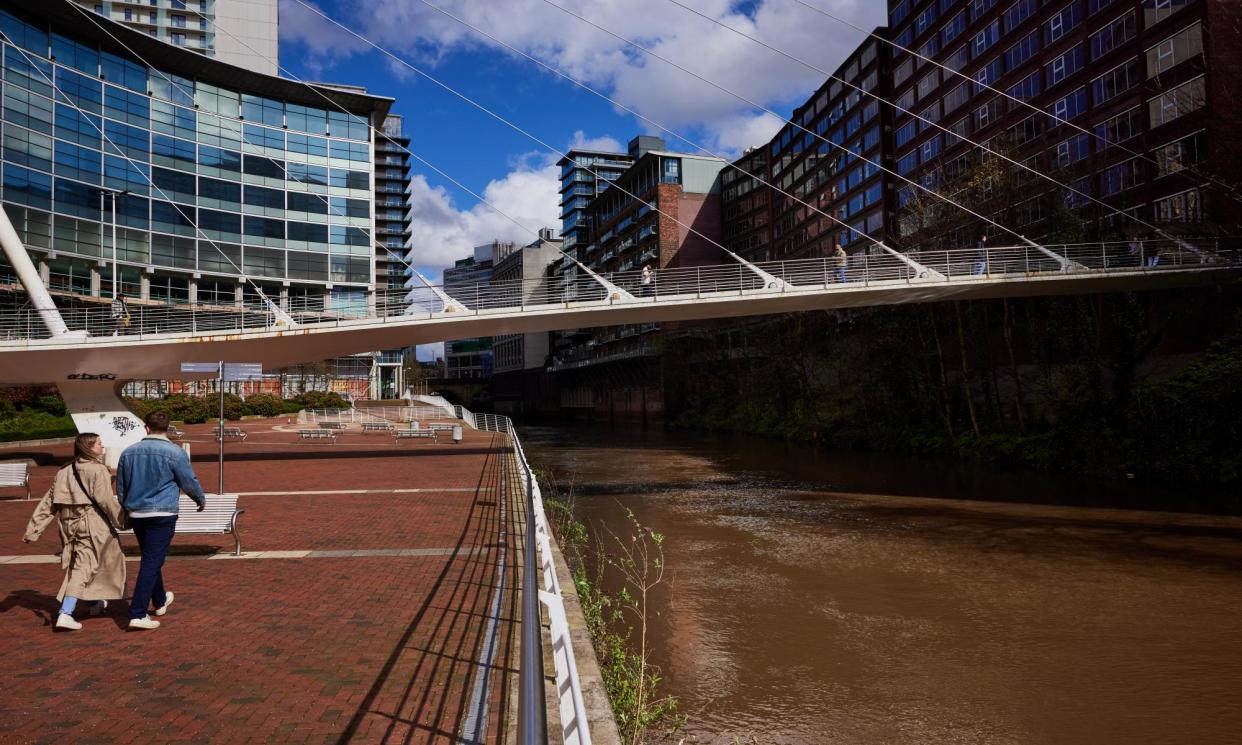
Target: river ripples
814, 599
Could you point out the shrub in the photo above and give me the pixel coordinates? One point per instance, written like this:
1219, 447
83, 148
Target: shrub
52, 405
35, 425
233, 406
263, 404
321, 400
139, 406
183, 407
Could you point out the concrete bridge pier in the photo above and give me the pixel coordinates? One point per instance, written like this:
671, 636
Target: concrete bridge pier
96, 406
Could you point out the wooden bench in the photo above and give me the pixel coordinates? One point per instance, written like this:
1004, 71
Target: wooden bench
377, 427
219, 517
415, 434
175, 433
332, 425
317, 434
234, 434
15, 475
442, 427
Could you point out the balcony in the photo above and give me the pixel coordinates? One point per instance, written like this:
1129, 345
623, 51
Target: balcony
577, 191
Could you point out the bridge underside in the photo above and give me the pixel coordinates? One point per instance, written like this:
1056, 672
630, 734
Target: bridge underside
159, 356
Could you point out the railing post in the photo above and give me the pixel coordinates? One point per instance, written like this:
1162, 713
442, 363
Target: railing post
866, 269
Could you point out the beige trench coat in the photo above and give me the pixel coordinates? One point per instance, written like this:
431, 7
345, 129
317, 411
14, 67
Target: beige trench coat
91, 555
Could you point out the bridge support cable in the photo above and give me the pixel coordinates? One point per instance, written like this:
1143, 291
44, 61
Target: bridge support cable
280, 319
28, 275
767, 279
1062, 261
937, 125
621, 294
450, 305
1233, 190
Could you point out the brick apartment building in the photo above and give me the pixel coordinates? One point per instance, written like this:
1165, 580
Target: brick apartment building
821, 159
1152, 83
1147, 80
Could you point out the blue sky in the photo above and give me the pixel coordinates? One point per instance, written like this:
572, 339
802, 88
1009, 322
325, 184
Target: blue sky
515, 173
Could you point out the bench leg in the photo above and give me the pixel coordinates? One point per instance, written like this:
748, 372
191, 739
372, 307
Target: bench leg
236, 535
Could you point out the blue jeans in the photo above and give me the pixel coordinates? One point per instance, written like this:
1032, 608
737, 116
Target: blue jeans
154, 536
70, 604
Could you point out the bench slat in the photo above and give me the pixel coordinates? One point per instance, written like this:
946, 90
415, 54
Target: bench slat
15, 474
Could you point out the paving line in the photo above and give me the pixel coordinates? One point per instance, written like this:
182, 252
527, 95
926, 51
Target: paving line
281, 554
430, 490
29, 503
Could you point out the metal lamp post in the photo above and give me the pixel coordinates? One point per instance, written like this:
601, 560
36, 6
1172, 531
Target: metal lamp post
116, 297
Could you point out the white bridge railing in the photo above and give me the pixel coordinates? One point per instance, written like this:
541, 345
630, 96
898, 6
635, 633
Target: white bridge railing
375, 414
101, 318
575, 728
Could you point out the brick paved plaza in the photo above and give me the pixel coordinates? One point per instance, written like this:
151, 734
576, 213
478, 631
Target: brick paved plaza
358, 613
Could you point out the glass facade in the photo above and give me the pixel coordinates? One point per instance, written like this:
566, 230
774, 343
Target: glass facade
209, 179
584, 175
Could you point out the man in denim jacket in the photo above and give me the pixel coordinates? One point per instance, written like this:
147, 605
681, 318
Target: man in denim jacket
149, 479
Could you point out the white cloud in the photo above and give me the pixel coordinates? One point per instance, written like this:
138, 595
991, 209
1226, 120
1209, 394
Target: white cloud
580, 141
326, 44
638, 81
444, 232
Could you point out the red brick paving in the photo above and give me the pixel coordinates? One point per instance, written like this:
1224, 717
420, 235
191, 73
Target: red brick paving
317, 650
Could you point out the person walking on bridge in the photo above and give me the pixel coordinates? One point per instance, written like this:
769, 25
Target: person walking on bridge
981, 254
840, 260
88, 515
149, 479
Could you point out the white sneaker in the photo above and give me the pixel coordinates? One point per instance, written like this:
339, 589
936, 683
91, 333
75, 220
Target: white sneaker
146, 622
97, 608
65, 621
168, 598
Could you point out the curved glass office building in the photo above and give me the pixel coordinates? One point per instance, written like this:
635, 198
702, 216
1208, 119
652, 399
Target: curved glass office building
217, 173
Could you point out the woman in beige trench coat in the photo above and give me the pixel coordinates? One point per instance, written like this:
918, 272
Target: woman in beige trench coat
91, 556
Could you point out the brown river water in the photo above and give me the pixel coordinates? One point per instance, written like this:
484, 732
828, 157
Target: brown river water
846, 599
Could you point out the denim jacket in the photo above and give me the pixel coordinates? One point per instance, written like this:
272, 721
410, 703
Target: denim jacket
151, 475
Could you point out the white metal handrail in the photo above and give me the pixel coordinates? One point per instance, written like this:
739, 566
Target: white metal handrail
575, 727
865, 268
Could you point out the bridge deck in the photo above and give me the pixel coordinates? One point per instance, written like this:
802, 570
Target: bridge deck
357, 615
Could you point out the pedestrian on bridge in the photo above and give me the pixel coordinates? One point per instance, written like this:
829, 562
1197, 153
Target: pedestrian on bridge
840, 260
150, 478
981, 255
645, 281
88, 514
1134, 254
